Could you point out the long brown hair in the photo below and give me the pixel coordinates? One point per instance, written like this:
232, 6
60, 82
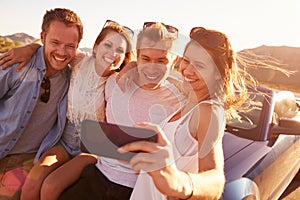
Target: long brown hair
232, 89
118, 29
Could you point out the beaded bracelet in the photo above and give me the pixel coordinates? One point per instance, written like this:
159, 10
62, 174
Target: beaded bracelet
191, 184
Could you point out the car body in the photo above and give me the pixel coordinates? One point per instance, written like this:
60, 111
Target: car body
262, 151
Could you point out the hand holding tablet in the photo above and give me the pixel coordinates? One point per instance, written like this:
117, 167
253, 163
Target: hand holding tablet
103, 139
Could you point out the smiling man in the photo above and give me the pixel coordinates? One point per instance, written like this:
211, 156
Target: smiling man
33, 109
150, 96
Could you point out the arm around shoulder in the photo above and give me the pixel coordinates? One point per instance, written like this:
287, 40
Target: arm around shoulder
20, 55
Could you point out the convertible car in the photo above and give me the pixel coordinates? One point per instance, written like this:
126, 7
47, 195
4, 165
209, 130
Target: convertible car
261, 149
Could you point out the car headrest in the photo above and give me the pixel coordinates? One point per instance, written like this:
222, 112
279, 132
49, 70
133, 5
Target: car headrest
285, 104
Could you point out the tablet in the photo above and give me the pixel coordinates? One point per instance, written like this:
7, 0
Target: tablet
103, 139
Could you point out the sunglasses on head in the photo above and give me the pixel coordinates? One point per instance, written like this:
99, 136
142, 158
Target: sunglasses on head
46, 86
209, 38
170, 29
111, 23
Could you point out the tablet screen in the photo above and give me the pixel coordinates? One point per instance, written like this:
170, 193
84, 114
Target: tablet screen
103, 139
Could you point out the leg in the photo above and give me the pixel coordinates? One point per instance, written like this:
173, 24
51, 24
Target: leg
49, 161
65, 175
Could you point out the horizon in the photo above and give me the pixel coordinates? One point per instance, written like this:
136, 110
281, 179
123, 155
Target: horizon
89, 48
247, 24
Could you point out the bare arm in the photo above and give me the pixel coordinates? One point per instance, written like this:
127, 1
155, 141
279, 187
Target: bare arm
208, 126
208, 183
23, 55
177, 82
130, 72
78, 57
20, 55
159, 163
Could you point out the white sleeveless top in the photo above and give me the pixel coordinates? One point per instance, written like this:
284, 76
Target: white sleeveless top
185, 150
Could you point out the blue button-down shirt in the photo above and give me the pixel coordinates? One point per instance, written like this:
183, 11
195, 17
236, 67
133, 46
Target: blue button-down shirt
19, 93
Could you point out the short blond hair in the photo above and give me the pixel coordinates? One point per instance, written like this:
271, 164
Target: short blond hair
154, 34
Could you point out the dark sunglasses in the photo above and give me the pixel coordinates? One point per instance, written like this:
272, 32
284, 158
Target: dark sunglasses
46, 86
170, 29
111, 23
210, 38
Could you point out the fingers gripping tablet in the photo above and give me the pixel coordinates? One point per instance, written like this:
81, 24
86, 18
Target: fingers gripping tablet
103, 139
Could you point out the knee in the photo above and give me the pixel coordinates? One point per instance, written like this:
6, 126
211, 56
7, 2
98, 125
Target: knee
48, 189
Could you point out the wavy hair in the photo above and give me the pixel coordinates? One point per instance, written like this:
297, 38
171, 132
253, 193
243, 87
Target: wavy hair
118, 29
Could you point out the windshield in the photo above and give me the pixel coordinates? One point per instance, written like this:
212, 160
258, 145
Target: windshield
250, 118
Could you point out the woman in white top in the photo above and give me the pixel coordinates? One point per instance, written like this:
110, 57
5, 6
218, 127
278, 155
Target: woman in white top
111, 52
187, 161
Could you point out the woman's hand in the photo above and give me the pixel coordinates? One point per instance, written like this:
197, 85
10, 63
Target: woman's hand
158, 161
128, 72
154, 156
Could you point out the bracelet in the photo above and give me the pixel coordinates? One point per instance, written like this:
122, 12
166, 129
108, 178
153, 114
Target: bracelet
191, 184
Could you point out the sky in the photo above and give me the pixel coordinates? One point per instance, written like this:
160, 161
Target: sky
248, 24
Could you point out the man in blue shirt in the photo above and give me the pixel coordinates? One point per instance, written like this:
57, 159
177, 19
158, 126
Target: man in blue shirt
35, 136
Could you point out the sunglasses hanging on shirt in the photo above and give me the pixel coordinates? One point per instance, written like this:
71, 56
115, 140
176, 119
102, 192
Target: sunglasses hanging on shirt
46, 86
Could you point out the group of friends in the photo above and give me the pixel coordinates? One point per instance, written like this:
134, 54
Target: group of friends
49, 87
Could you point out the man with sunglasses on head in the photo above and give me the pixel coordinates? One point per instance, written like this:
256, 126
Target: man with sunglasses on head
34, 133
156, 96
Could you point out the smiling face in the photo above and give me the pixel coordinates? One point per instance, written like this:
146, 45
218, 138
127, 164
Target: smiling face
154, 64
110, 53
199, 72
60, 44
